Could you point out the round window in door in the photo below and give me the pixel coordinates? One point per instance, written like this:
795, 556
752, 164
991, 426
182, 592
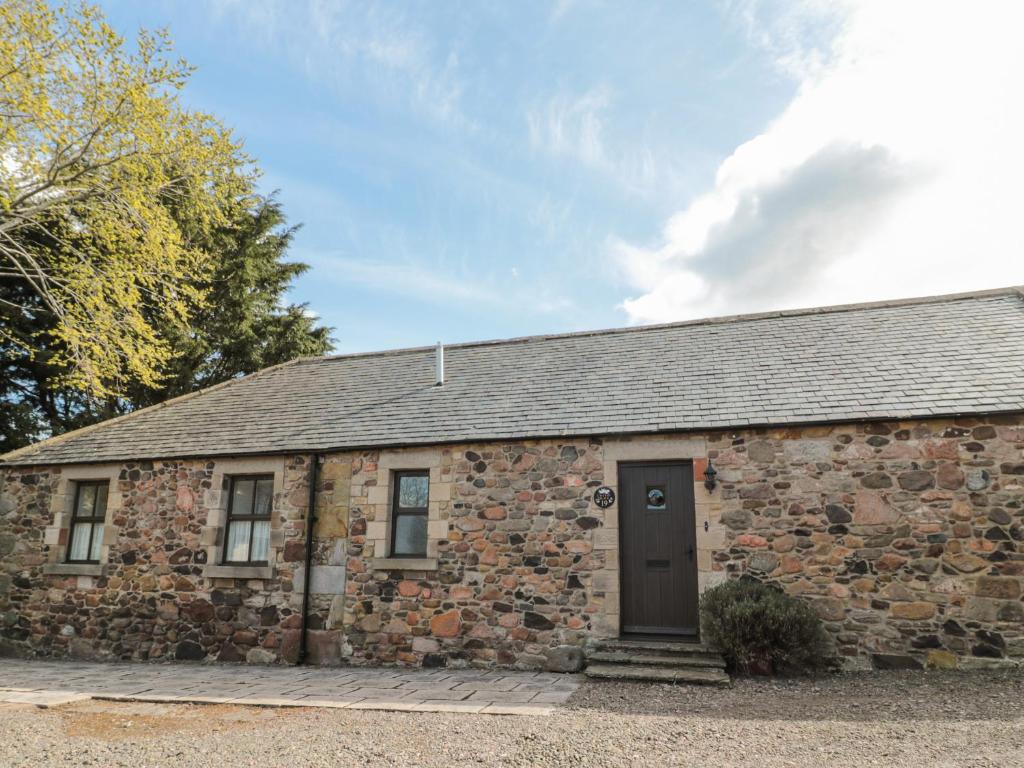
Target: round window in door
655, 498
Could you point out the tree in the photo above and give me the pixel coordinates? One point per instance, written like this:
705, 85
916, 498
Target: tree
137, 261
93, 142
244, 325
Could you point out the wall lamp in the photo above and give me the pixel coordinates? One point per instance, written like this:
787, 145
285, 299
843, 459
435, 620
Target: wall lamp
709, 476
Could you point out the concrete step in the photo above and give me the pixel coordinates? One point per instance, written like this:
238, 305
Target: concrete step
625, 644
658, 674
655, 659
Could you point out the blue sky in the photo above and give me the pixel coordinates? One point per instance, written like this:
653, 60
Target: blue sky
480, 170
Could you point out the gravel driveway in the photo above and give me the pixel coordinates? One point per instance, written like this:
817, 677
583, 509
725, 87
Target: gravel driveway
905, 719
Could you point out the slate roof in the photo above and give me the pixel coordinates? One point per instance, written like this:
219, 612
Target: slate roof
946, 355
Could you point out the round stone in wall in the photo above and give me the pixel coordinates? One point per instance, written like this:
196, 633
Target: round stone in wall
977, 479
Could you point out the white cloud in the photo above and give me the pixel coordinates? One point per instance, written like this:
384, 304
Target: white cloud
412, 280
575, 127
894, 171
560, 8
572, 125
346, 45
438, 285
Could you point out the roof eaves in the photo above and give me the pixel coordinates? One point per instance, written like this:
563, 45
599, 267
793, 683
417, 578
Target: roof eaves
850, 417
56, 439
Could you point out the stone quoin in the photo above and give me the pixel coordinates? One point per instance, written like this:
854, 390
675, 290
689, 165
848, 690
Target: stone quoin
870, 460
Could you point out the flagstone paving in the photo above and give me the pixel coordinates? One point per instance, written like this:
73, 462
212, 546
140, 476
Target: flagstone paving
51, 683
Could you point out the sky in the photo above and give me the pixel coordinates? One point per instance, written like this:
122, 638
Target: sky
481, 170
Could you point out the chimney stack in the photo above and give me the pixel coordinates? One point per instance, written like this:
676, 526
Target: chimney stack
440, 364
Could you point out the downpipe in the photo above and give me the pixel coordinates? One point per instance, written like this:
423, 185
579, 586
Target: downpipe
314, 471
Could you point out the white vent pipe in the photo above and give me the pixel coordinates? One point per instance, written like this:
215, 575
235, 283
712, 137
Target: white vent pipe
440, 363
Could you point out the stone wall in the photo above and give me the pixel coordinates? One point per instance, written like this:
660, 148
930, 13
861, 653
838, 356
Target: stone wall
512, 577
157, 593
907, 537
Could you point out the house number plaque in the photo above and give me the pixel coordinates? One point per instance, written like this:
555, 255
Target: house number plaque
604, 497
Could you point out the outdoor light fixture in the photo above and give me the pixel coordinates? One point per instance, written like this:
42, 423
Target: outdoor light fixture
709, 476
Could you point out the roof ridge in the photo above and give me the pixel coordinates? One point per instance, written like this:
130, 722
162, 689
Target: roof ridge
31, 448
1017, 290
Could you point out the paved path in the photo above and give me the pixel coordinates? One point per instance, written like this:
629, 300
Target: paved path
49, 683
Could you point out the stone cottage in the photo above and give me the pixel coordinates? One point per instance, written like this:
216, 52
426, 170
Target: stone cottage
548, 492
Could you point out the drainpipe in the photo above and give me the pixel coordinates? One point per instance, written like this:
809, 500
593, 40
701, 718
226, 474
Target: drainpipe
314, 468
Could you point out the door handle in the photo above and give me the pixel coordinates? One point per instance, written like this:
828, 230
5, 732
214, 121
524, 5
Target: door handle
689, 552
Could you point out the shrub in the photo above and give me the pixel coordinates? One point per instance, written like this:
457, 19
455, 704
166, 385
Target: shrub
759, 628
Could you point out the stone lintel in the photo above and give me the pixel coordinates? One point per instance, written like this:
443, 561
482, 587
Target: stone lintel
238, 572
404, 563
74, 569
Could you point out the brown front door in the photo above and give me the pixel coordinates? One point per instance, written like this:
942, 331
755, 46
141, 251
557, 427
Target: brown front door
658, 555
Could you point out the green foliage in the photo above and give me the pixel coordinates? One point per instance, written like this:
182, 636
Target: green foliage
245, 325
757, 627
137, 261
93, 144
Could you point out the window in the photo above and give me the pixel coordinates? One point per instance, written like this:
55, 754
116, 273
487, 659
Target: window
656, 498
409, 513
248, 534
87, 521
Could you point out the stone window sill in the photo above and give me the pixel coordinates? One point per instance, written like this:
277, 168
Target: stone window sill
238, 571
74, 569
404, 563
